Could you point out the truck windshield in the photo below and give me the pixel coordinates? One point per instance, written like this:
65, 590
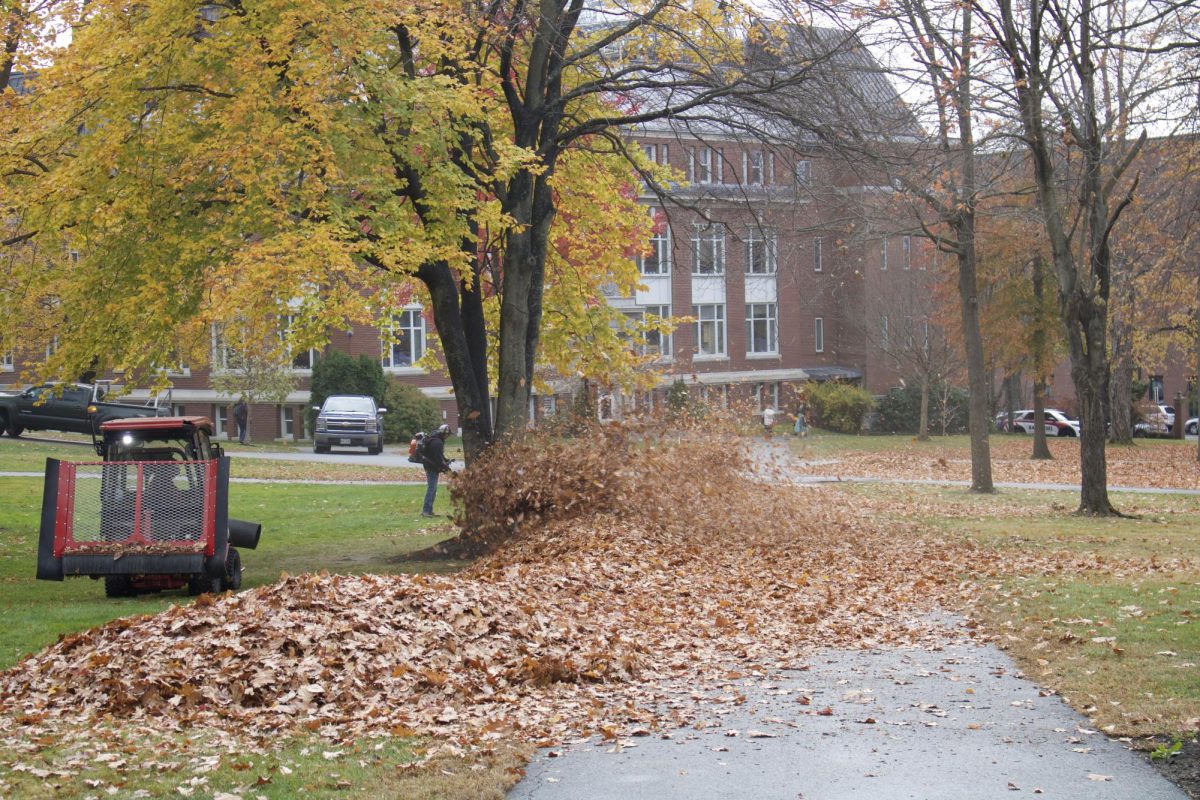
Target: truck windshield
359, 405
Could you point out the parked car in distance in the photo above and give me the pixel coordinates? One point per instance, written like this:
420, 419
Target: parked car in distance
348, 420
1057, 423
1159, 418
1022, 422
1190, 427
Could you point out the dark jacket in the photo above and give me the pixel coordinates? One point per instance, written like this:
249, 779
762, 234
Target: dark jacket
435, 454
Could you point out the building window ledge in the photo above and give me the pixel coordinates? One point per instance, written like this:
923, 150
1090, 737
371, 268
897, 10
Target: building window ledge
404, 371
709, 358
762, 356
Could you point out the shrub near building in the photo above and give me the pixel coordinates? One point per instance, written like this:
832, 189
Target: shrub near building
838, 406
409, 410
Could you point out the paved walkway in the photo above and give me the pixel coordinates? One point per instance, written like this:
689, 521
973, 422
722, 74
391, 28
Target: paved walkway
954, 723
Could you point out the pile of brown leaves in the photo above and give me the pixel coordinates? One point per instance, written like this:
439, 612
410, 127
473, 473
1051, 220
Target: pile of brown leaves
1144, 465
623, 603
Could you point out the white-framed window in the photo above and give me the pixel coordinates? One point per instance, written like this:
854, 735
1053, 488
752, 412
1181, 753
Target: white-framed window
907, 244
883, 331
883, 259
656, 153
704, 164
658, 262
301, 359
762, 329
770, 168
6, 361
708, 250
287, 422
658, 343
606, 406
710, 329
803, 173
220, 416
404, 339
52, 346
766, 395
925, 344
224, 355
754, 167
762, 251
818, 254
908, 333
819, 334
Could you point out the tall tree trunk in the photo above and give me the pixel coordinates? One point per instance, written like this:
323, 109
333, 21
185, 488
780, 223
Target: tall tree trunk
1084, 277
977, 375
1040, 449
475, 333
923, 424
1089, 371
1121, 390
470, 396
1120, 430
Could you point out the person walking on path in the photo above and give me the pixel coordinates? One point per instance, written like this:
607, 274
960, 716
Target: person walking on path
435, 461
768, 416
801, 427
240, 415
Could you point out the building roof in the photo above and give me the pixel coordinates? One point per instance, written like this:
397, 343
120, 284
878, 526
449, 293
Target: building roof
821, 80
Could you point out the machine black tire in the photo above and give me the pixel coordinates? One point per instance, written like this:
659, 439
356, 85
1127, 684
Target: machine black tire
1066, 432
13, 429
118, 586
201, 583
320, 448
233, 571
376, 449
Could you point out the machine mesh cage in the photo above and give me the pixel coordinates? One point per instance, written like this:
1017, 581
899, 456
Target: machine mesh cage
136, 507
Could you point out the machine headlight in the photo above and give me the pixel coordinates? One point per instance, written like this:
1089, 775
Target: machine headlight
321, 425
372, 425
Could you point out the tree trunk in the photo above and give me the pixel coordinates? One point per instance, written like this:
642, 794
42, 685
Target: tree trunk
469, 395
475, 333
923, 424
1121, 390
1119, 399
1041, 450
977, 376
1089, 371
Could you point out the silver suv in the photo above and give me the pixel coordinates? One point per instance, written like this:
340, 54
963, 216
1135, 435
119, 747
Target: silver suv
349, 420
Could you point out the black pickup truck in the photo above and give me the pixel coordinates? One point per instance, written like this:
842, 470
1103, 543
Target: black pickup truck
72, 407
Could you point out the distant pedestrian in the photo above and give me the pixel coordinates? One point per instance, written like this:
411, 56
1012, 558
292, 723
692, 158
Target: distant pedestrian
434, 454
801, 426
240, 415
768, 420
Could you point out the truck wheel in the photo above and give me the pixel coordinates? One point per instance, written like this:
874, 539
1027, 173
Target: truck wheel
118, 586
233, 572
13, 429
320, 448
376, 448
201, 583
